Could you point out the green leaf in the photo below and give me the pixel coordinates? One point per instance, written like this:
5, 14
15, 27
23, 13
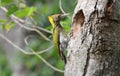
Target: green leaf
13, 8
2, 23
1, 27
28, 11
3, 20
12, 24
31, 10
9, 25
49, 27
6, 2
60, 64
22, 5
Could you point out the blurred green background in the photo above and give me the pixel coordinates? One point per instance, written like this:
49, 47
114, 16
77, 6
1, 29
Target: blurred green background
37, 12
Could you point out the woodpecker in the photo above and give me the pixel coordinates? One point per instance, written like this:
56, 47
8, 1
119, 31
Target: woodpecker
59, 34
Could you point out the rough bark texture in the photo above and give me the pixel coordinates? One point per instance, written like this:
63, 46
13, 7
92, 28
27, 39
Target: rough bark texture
94, 46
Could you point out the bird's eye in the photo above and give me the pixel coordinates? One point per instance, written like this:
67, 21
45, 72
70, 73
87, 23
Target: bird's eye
59, 16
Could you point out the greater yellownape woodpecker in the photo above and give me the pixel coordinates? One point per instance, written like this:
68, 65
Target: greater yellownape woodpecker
59, 34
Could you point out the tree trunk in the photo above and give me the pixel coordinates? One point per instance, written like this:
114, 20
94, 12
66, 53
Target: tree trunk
94, 46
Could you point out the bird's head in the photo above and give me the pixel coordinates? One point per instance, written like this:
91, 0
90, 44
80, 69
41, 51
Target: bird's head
56, 18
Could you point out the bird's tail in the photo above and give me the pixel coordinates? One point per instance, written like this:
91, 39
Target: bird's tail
63, 57
61, 54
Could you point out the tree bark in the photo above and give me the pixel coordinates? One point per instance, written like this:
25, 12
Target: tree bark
94, 46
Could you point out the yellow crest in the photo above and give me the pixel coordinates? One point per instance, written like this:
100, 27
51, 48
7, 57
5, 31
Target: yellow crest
51, 21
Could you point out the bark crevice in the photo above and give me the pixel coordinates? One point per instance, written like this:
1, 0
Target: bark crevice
78, 22
87, 60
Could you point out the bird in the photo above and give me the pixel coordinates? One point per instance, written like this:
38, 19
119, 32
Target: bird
59, 35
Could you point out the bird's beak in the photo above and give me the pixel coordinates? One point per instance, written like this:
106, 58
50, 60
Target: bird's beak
64, 15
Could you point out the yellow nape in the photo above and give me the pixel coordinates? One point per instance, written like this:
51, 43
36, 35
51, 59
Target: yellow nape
51, 21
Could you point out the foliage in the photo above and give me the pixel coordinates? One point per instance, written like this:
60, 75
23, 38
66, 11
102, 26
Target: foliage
4, 66
37, 11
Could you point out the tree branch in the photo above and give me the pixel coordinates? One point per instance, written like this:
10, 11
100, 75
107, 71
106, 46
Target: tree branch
48, 64
32, 53
23, 51
20, 23
60, 6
